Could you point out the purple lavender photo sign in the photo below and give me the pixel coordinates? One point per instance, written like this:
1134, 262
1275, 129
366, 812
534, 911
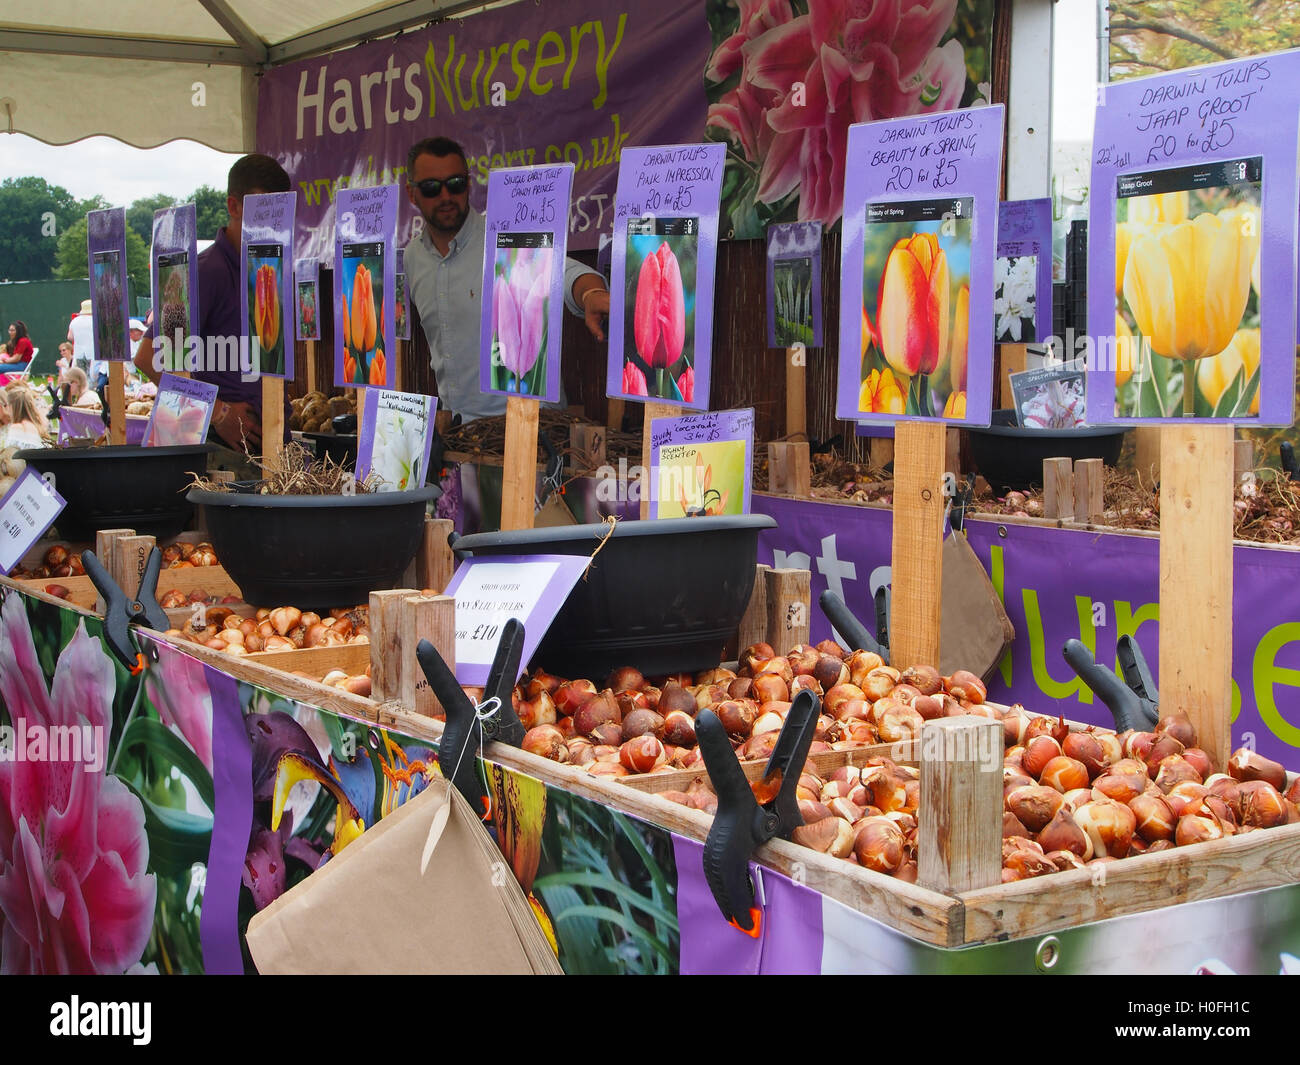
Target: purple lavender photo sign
926, 174
174, 275
522, 313
797, 247
106, 248
306, 279
266, 252
666, 210
1224, 137
365, 237
1024, 231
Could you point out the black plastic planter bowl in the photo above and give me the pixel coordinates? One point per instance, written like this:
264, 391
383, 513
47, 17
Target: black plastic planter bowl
314, 552
122, 486
662, 596
1011, 457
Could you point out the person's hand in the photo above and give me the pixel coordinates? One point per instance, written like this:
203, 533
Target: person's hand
595, 305
236, 423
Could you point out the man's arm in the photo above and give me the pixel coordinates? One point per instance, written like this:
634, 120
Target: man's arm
586, 295
144, 360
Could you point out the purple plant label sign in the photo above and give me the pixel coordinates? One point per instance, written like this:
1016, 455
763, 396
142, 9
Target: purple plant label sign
523, 280
306, 277
702, 464
365, 271
106, 249
396, 438
401, 298
665, 248
1192, 246
174, 274
794, 285
181, 412
917, 249
266, 284
1022, 274
26, 511
490, 591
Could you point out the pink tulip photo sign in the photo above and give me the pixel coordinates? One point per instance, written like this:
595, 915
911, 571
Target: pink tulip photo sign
794, 284
918, 243
106, 245
181, 412
364, 279
523, 269
1022, 274
702, 464
306, 278
661, 281
1192, 250
266, 292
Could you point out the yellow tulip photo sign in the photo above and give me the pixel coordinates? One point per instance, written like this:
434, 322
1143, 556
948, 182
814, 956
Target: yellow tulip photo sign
702, 464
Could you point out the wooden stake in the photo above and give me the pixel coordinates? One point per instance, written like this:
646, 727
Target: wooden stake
106, 552
648, 482
116, 403
399, 360
753, 623
614, 410
881, 451
519, 478
789, 469
435, 563
1243, 458
796, 396
361, 410
952, 453
959, 840
272, 422
1196, 581
1058, 488
131, 552
386, 643
789, 595
1089, 494
432, 618
917, 552
1147, 441
311, 365
1013, 358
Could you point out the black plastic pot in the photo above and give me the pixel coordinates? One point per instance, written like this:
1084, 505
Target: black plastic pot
340, 447
314, 552
1011, 457
121, 487
662, 596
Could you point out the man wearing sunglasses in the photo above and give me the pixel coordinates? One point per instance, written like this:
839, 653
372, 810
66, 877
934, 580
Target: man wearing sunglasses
444, 274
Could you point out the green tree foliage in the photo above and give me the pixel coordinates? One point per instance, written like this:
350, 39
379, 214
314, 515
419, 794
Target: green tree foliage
139, 216
210, 208
1149, 37
73, 259
33, 215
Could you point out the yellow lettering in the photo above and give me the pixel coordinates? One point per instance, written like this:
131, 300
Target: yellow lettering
576, 33
1267, 674
520, 46
603, 60
542, 61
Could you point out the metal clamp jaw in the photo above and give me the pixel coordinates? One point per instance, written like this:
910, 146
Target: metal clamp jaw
122, 611
750, 815
468, 727
853, 631
1133, 701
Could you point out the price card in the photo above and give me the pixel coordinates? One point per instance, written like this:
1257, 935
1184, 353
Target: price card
489, 591
1192, 246
306, 276
523, 270
701, 465
916, 268
396, 437
106, 246
661, 283
365, 277
1022, 273
26, 511
794, 285
266, 294
181, 412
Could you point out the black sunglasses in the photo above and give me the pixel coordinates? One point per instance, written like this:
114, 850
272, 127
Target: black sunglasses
430, 187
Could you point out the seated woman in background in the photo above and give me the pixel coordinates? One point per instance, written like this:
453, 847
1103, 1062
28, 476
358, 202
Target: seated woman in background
24, 425
77, 392
19, 347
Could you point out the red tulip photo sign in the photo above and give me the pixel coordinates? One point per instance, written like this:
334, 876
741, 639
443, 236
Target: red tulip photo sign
364, 281
523, 269
661, 282
266, 249
1192, 249
306, 278
919, 235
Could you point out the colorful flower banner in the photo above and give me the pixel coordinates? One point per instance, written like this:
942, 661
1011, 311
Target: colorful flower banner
1022, 272
794, 285
106, 247
364, 279
266, 286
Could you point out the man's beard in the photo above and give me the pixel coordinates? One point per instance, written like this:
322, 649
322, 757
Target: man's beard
447, 223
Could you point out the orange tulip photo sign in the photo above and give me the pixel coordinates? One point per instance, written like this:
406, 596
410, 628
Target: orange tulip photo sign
1192, 257
364, 286
267, 293
919, 240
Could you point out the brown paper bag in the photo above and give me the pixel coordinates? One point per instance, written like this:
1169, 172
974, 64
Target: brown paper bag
370, 909
553, 514
974, 630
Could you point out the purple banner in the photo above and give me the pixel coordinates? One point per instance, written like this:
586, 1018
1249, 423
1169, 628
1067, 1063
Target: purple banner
306, 276
364, 275
182, 411
920, 220
174, 276
75, 423
523, 268
702, 464
521, 86
661, 281
1022, 274
794, 285
1192, 246
106, 246
1054, 583
266, 250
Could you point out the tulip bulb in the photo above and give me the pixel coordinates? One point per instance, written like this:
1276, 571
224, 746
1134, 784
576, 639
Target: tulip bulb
1085, 748
1262, 806
643, 754
674, 697
546, 741
1110, 825
1064, 774
1039, 751
1179, 726
1062, 833
1247, 765
880, 845
642, 722
1154, 817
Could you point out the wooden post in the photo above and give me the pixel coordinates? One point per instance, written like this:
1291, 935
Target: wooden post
881, 451
587, 442
952, 453
1013, 358
361, 410
1196, 581
1147, 441
311, 365
917, 551
796, 391
614, 414
789, 595
649, 478
1058, 488
435, 563
386, 643
959, 840
432, 618
399, 360
272, 422
131, 552
116, 403
1243, 458
106, 552
1089, 490
789, 469
519, 478
753, 623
